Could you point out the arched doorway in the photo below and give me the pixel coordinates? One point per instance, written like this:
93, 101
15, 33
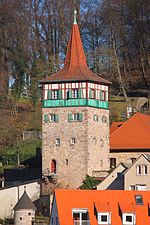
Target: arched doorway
53, 166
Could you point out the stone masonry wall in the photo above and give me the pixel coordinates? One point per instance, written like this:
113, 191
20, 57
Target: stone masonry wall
98, 140
125, 157
75, 161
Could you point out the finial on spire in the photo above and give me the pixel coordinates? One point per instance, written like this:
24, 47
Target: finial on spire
75, 17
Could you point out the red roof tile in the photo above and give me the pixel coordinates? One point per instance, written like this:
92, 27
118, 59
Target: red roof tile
127, 206
133, 134
103, 206
67, 200
75, 66
115, 126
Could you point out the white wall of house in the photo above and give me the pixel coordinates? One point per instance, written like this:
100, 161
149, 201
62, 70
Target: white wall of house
138, 181
10, 196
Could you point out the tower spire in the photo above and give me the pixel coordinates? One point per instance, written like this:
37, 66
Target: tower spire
75, 17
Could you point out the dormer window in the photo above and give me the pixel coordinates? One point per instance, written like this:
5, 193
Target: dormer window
128, 218
80, 216
104, 218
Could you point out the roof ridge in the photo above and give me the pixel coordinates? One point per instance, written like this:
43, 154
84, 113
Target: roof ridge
139, 115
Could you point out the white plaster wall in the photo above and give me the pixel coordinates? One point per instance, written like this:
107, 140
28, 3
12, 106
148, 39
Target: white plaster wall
9, 197
24, 217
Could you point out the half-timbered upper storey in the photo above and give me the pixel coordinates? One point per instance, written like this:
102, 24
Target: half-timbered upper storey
75, 84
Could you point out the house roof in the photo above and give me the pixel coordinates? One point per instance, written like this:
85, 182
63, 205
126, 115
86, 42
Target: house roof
115, 201
133, 134
24, 203
75, 66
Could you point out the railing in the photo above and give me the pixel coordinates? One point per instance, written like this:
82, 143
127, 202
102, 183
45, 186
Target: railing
81, 222
75, 102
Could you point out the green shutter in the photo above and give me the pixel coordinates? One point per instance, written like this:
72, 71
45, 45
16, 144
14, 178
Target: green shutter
59, 94
69, 117
90, 93
49, 94
100, 95
46, 118
79, 93
70, 93
56, 117
80, 116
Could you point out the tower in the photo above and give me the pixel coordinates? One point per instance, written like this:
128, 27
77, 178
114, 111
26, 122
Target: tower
24, 211
75, 123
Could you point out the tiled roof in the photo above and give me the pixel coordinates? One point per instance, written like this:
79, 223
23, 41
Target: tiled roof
115, 126
115, 201
75, 66
133, 134
24, 203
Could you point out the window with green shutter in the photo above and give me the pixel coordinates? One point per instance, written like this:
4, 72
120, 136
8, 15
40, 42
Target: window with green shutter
59, 94
70, 93
104, 119
49, 94
79, 93
46, 118
95, 118
69, 117
80, 116
56, 117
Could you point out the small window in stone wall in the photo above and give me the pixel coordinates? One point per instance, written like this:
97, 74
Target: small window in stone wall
112, 163
104, 119
20, 218
75, 117
51, 118
73, 141
29, 214
54, 117
57, 141
96, 118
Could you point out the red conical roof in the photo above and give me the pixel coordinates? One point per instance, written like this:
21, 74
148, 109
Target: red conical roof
75, 66
75, 56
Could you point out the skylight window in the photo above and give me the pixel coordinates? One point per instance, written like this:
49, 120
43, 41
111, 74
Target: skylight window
139, 199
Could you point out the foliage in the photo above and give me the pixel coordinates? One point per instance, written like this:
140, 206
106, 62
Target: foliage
7, 221
26, 150
89, 183
33, 39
